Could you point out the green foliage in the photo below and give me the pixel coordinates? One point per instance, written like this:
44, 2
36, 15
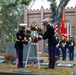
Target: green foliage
13, 15
53, 7
11, 24
26, 2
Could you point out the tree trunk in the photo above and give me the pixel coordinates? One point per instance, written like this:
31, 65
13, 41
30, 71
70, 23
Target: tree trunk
4, 12
3, 32
2, 39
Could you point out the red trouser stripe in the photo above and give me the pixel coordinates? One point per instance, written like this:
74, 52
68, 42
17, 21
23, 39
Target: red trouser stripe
52, 56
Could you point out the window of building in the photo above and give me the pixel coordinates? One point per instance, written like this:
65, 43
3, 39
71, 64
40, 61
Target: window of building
68, 29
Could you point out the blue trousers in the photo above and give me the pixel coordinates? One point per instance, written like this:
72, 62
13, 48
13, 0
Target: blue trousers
20, 57
51, 52
57, 52
63, 54
71, 55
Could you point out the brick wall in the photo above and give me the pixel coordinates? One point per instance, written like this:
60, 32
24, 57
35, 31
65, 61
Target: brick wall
38, 15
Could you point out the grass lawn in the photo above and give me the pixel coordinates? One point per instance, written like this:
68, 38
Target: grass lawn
4, 67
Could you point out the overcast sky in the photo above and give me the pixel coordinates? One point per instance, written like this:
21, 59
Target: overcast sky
38, 3
71, 3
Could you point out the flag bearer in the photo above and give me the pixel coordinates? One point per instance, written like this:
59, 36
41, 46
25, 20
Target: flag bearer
63, 48
71, 44
57, 47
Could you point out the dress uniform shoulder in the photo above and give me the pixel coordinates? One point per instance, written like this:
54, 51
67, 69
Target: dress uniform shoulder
18, 32
50, 26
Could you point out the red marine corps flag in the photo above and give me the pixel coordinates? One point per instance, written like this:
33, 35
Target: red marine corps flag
63, 28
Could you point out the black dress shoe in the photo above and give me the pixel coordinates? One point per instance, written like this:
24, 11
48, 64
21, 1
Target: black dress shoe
21, 66
47, 67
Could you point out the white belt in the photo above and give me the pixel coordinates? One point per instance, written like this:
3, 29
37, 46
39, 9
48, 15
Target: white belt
17, 40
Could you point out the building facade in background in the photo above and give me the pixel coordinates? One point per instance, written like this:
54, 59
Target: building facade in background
36, 15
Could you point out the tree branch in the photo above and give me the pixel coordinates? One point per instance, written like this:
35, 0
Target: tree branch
12, 4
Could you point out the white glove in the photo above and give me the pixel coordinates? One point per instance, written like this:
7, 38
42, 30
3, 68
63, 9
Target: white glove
25, 38
40, 36
72, 44
59, 48
36, 27
63, 44
56, 46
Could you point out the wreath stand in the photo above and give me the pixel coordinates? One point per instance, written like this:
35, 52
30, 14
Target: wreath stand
37, 48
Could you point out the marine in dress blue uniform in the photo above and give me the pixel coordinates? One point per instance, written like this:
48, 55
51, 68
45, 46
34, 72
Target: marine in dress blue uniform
49, 34
20, 35
57, 53
71, 44
63, 48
